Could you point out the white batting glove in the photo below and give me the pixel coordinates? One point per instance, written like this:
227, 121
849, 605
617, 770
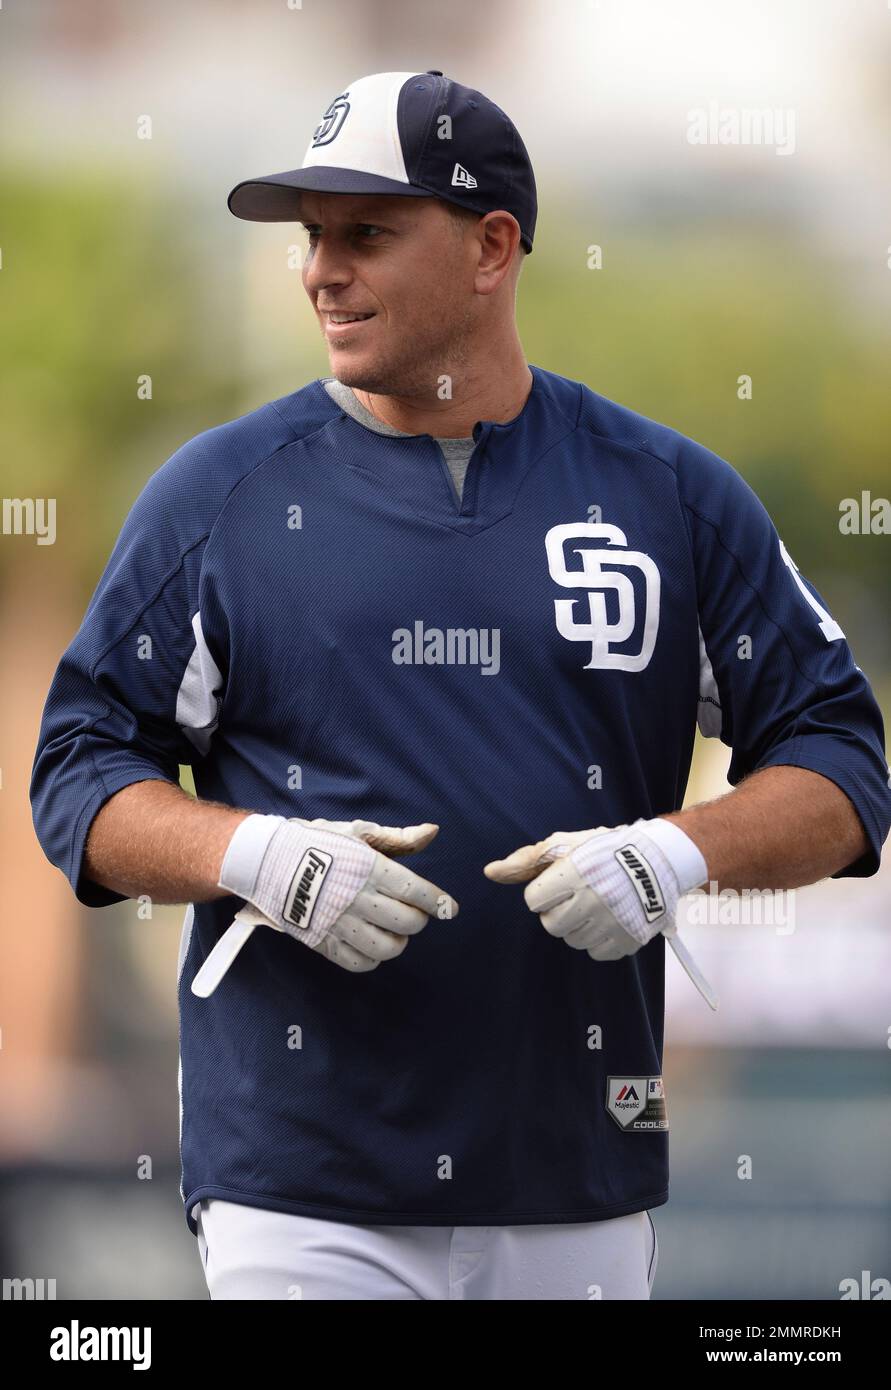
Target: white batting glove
330, 885
610, 890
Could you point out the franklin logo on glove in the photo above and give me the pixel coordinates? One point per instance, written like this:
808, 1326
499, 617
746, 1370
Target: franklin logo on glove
644, 881
346, 899
307, 884
598, 890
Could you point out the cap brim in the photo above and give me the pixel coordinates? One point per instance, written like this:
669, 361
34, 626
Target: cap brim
277, 197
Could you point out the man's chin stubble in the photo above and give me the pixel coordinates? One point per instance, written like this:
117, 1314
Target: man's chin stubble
405, 381
422, 380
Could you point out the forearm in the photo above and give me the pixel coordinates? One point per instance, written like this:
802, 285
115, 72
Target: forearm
153, 839
783, 827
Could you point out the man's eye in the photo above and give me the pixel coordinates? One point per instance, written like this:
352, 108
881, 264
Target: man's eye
367, 229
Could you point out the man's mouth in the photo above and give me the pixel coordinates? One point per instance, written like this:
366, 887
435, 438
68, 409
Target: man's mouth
345, 317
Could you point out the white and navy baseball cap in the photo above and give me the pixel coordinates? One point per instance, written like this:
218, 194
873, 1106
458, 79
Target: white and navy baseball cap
416, 134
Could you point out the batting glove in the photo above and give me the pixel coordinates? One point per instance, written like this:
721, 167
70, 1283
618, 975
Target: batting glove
610, 890
330, 885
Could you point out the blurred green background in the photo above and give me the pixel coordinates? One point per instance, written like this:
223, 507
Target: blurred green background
119, 260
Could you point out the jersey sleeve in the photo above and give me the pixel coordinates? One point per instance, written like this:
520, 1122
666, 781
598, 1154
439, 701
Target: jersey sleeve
137, 691
778, 682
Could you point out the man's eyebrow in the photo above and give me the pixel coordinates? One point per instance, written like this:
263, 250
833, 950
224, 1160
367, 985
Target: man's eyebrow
368, 214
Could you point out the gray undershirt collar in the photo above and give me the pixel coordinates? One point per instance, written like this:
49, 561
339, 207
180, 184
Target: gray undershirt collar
456, 452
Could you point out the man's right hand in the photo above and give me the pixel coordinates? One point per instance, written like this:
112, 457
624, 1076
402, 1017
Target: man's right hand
331, 884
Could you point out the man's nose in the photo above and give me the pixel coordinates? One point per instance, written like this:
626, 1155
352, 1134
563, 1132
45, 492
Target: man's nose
326, 264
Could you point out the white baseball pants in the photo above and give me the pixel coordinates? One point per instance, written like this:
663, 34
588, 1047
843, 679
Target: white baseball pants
249, 1253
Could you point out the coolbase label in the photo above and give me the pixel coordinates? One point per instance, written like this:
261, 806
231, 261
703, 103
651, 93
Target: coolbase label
637, 1103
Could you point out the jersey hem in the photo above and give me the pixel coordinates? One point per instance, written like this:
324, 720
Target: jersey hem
358, 1217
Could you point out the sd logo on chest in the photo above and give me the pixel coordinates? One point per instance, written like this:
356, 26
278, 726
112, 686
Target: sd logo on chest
594, 626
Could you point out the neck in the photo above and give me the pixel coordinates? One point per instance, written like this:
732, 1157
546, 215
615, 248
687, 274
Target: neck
494, 393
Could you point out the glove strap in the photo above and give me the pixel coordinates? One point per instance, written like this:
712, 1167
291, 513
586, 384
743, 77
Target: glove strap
244, 856
682, 854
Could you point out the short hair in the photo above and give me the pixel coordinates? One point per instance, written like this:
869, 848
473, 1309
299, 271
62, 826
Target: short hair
461, 216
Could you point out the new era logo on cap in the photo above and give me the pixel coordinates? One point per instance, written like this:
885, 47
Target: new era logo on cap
461, 178
404, 133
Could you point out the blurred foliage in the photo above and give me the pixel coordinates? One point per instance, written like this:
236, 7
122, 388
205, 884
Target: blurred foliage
99, 286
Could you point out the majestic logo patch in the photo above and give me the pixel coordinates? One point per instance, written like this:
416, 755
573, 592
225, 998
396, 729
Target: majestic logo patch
306, 886
330, 125
646, 884
637, 1103
462, 178
604, 633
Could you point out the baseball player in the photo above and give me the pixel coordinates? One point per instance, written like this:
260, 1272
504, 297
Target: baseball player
436, 631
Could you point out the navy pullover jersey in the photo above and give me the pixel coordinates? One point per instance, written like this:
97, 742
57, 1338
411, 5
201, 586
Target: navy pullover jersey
303, 610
